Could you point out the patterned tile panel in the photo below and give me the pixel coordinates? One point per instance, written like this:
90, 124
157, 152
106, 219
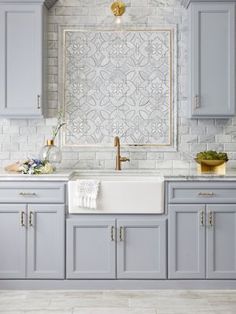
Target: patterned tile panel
118, 83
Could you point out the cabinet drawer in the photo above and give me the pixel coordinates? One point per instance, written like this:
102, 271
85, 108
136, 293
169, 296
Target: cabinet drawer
32, 192
202, 192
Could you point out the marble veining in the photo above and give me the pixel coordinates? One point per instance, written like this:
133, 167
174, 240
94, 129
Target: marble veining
168, 174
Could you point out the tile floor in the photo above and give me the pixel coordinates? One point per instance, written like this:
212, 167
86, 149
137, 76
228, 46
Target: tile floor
118, 302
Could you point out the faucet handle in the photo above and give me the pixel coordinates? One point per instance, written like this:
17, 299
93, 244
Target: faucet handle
124, 159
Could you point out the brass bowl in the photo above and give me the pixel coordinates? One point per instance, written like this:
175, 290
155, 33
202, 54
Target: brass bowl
210, 162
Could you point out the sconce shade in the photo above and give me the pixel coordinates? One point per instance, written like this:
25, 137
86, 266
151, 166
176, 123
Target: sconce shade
118, 8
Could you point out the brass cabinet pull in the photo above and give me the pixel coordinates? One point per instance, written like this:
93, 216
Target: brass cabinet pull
122, 233
22, 218
112, 233
211, 219
38, 102
206, 193
27, 194
202, 217
31, 216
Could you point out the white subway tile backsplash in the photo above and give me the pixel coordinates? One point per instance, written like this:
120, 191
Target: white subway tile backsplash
4, 155
164, 164
198, 147
155, 156
180, 164
147, 164
217, 147
21, 138
138, 155
104, 155
86, 155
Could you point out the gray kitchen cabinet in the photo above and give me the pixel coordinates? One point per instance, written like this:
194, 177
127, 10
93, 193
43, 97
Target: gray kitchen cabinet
45, 246
202, 230
32, 241
91, 248
221, 241
186, 254
12, 241
212, 59
22, 59
32, 229
110, 248
141, 248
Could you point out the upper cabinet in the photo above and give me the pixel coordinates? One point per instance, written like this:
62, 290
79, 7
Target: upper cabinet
22, 44
212, 58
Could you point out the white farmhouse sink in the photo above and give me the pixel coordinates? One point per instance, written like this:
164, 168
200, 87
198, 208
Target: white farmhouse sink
124, 194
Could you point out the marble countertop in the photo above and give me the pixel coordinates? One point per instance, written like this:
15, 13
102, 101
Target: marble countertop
63, 175
168, 174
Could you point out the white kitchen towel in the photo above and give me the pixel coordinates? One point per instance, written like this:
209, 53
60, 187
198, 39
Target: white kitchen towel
83, 194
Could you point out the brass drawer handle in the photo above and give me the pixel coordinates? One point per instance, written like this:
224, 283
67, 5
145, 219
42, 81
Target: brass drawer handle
112, 233
27, 194
122, 233
202, 218
206, 194
31, 216
22, 218
211, 219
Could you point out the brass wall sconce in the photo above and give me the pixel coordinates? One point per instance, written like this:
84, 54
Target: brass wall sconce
118, 9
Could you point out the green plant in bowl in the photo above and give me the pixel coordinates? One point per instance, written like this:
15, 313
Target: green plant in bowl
211, 158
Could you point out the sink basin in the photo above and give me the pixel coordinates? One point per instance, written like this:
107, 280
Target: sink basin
124, 194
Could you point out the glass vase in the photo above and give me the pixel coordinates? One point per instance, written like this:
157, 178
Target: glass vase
51, 153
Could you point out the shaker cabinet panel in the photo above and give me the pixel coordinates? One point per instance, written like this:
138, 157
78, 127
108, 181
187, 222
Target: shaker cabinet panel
141, 248
12, 241
186, 241
212, 55
32, 192
21, 60
46, 249
221, 241
199, 192
91, 248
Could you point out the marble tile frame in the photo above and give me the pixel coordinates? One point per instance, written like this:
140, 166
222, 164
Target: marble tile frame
172, 145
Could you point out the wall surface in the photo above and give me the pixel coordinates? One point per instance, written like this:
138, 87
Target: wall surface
24, 138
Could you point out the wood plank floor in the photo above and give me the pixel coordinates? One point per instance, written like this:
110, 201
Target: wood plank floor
118, 302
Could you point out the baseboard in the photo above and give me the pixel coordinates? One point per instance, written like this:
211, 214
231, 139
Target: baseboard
115, 284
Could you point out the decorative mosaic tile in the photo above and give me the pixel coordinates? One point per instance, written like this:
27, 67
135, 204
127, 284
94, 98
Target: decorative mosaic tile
118, 83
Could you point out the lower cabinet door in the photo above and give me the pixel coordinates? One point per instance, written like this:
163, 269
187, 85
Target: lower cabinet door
12, 241
91, 248
46, 241
141, 248
221, 241
186, 247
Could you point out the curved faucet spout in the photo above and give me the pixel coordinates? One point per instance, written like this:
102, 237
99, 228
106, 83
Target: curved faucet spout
117, 141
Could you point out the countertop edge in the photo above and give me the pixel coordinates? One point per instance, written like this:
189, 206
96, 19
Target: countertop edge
168, 175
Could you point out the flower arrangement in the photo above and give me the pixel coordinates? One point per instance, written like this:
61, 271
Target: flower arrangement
31, 166
35, 166
48, 156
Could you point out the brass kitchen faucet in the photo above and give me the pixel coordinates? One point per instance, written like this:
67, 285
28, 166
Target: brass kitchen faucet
119, 159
